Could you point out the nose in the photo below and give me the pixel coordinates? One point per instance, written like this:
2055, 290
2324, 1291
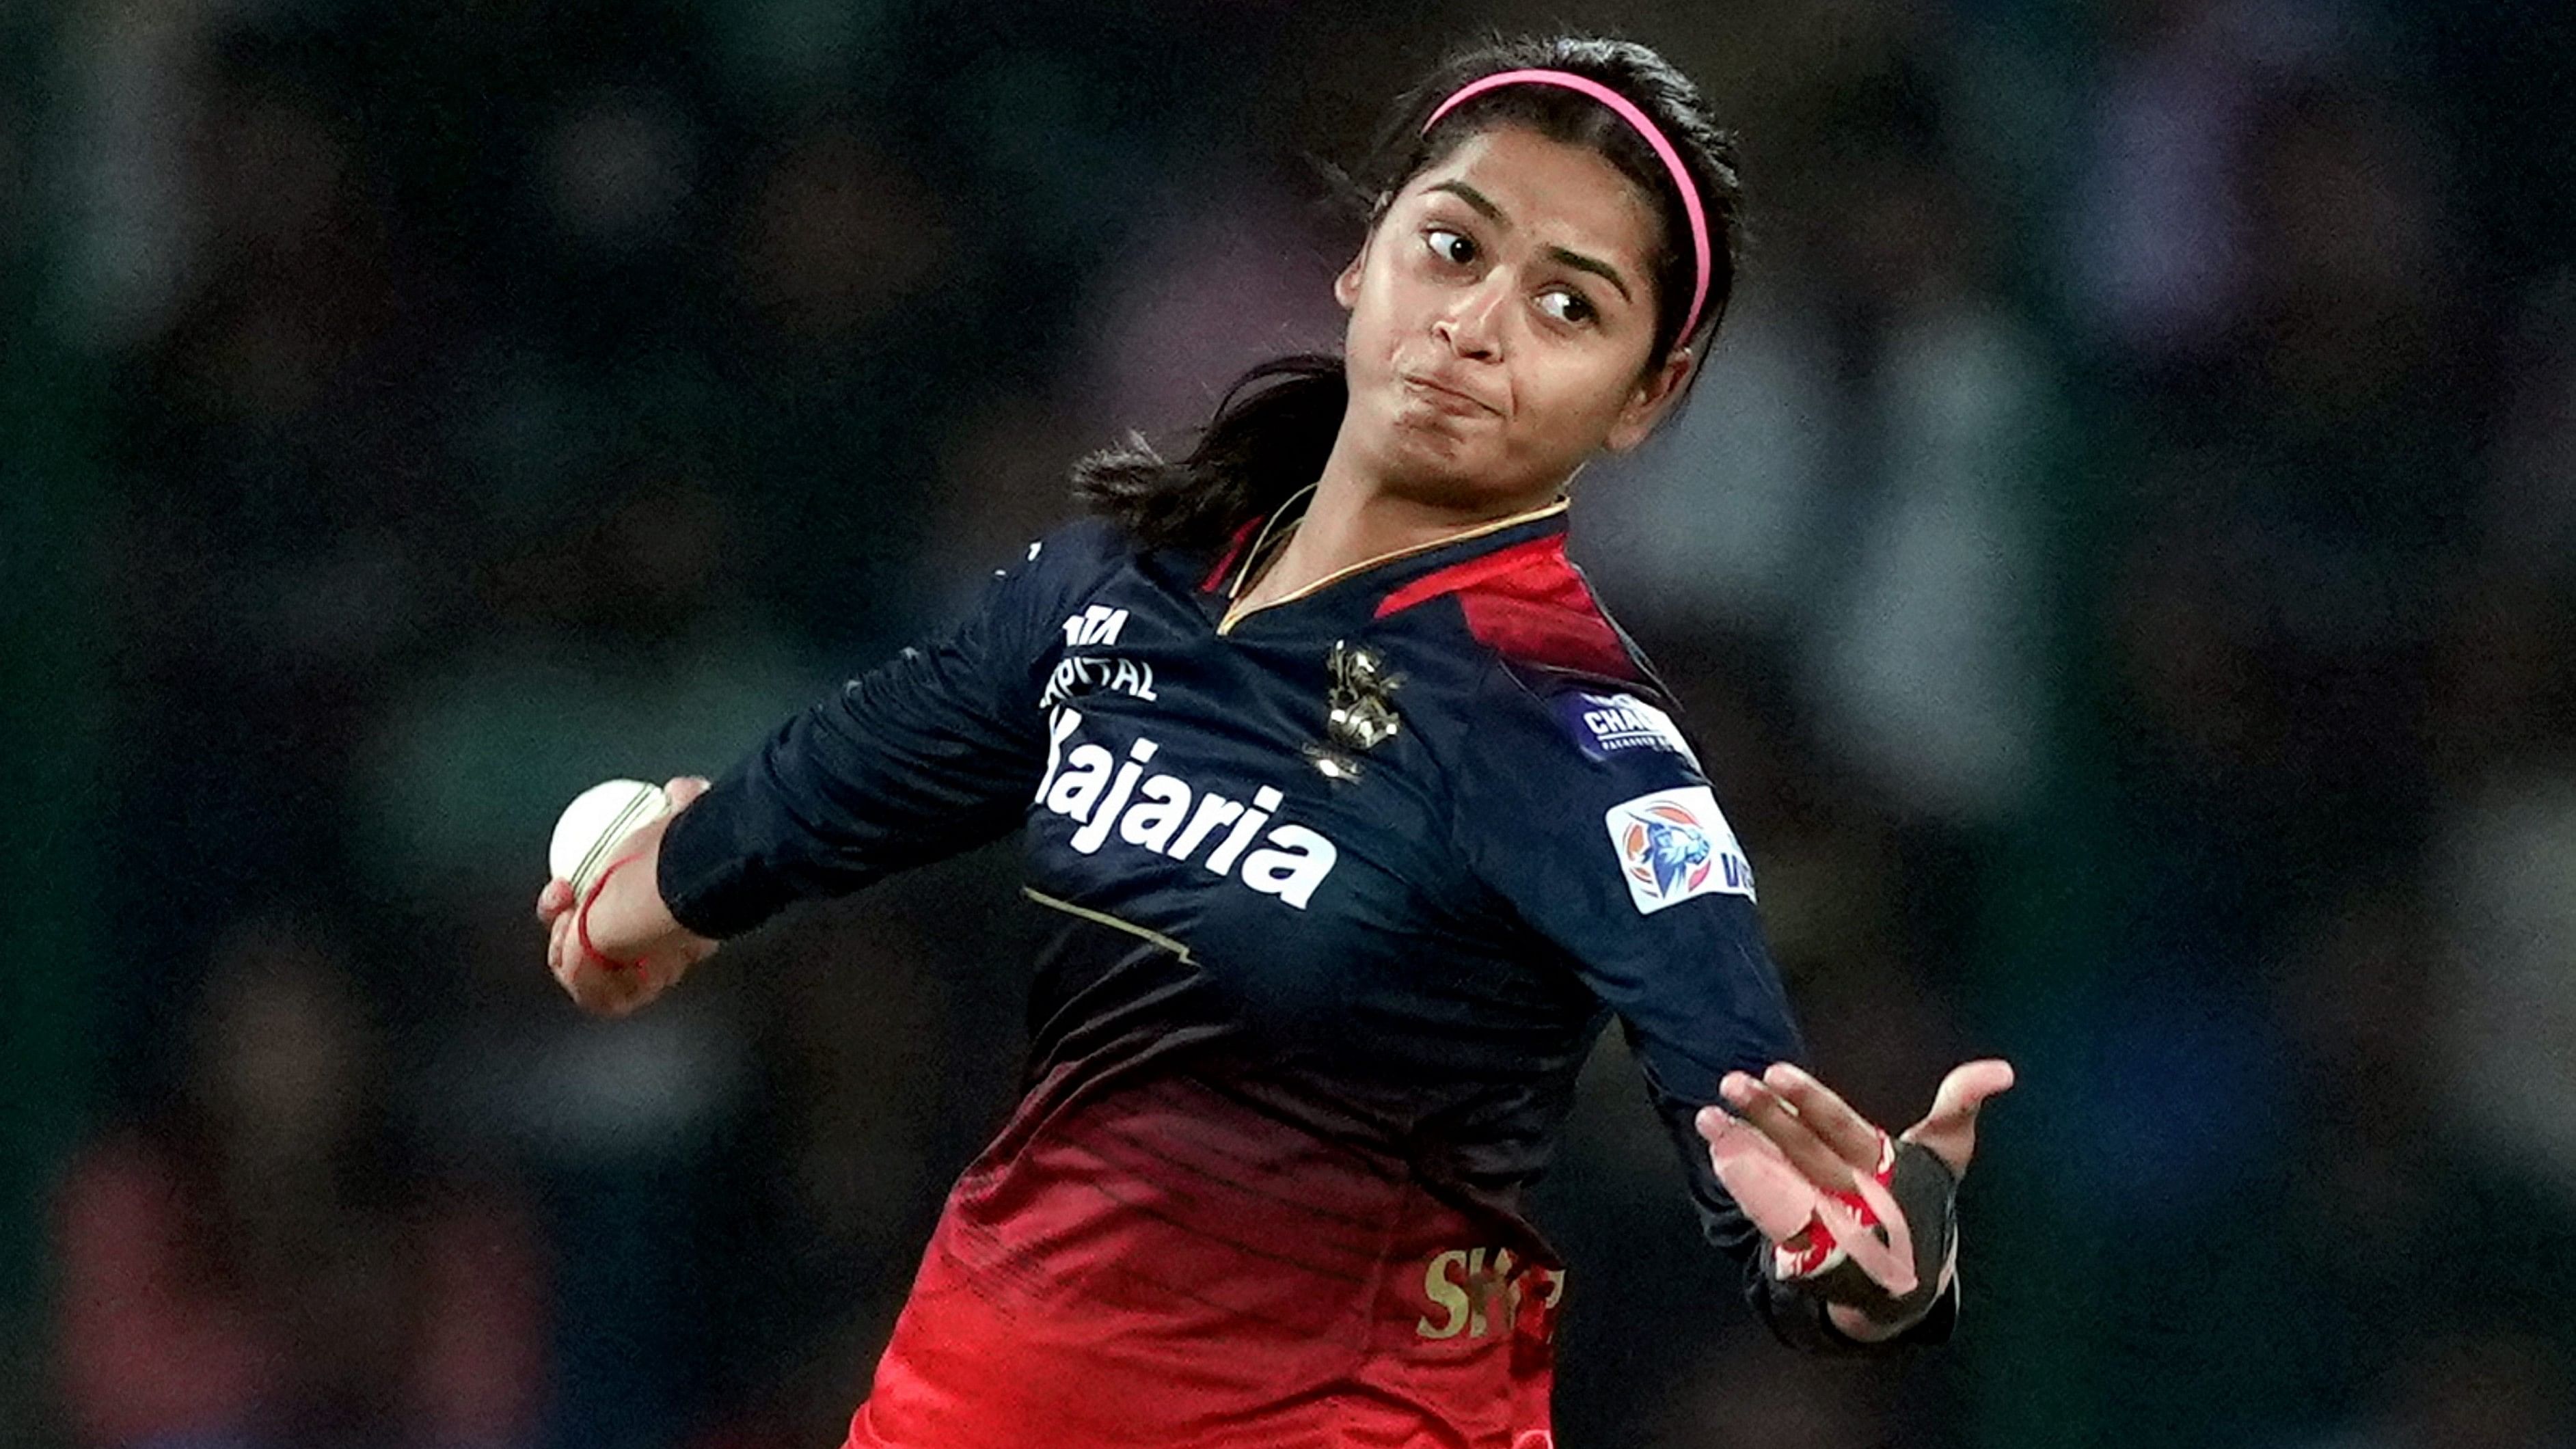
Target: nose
1472, 324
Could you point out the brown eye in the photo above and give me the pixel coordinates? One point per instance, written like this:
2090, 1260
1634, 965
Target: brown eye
1455, 248
1566, 305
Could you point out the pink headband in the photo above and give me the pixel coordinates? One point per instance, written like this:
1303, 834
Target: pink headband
1628, 112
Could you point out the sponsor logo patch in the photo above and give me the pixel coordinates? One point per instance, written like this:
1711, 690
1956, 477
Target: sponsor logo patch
1476, 1292
1673, 845
1608, 724
1080, 674
1096, 624
1152, 810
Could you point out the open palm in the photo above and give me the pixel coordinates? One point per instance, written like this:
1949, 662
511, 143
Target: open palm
1809, 1170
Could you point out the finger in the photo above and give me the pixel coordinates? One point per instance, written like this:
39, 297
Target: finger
1889, 1263
1852, 1137
553, 899
601, 995
1778, 1121
1784, 1205
564, 958
684, 788
1949, 1130
624, 989
1779, 1200
597, 990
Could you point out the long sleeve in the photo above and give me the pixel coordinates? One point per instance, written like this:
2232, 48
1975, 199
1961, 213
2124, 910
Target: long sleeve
933, 752
1585, 808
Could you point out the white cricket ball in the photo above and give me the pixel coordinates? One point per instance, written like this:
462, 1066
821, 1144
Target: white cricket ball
595, 824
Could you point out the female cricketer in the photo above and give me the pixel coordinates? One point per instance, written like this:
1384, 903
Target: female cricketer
1355, 820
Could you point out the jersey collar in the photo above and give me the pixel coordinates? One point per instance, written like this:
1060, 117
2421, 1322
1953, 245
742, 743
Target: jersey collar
1359, 589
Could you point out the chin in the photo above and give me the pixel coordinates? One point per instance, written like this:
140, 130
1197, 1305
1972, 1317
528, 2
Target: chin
1453, 482
1414, 458
1427, 457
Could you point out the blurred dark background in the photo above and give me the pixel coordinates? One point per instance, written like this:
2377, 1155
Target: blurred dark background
2121, 563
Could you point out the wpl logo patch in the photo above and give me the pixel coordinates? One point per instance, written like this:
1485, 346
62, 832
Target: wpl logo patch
1673, 845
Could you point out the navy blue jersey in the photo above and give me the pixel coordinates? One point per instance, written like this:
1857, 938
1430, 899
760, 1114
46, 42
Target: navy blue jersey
1342, 891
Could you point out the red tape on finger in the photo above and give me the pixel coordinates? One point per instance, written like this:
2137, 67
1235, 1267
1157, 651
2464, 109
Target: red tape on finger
1827, 1227
581, 916
1847, 1220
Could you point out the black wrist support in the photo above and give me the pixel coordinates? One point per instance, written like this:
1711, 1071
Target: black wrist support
1927, 1192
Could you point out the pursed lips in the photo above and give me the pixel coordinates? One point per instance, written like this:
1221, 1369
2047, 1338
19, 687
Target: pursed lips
1450, 399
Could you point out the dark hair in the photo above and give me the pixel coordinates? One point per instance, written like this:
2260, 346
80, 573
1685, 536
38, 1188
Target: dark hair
1275, 427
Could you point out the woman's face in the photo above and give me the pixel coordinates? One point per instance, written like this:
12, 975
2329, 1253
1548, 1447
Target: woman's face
1501, 313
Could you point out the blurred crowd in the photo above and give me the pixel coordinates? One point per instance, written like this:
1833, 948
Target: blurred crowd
2120, 564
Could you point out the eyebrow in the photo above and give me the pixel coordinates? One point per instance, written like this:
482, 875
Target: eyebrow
1484, 205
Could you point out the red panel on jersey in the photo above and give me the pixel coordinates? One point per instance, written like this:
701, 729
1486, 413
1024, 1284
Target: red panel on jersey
1225, 561
1528, 603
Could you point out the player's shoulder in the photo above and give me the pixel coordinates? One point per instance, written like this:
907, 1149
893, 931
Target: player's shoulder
1551, 758
1062, 567
1083, 546
1529, 607
1548, 716
1543, 673
1598, 716
1595, 752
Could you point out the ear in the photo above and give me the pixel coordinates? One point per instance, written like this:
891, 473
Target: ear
1652, 398
1346, 287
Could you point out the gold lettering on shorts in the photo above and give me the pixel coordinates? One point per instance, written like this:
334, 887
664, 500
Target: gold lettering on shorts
1476, 1292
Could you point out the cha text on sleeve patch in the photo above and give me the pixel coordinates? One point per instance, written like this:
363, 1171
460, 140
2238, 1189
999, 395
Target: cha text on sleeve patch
1673, 845
1607, 724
